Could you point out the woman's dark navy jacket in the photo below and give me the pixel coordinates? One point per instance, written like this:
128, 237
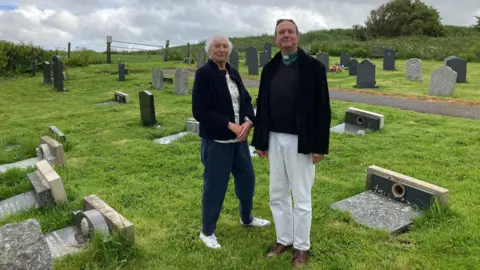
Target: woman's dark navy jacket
212, 104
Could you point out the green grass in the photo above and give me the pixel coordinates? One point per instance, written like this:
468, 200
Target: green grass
158, 187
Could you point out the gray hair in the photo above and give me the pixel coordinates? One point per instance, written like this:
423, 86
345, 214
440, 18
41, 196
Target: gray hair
209, 43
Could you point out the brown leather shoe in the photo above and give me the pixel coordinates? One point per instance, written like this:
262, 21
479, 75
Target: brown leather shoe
277, 249
300, 257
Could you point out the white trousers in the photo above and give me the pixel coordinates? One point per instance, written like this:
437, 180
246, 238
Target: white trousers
290, 171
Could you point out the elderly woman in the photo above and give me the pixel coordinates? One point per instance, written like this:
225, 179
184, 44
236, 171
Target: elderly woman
222, 106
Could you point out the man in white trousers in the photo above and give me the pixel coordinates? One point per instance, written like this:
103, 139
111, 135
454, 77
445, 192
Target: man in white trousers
293, 131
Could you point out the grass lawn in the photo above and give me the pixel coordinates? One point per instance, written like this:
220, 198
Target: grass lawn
158, 187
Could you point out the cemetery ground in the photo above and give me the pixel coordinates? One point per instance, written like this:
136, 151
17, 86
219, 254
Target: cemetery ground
158, 187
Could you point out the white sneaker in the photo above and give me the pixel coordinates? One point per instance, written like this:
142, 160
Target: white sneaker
210, 241
257, 222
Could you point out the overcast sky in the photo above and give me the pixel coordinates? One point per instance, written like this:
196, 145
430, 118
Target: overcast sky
88, 22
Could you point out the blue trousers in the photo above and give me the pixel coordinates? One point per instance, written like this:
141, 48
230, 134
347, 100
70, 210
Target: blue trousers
219, 160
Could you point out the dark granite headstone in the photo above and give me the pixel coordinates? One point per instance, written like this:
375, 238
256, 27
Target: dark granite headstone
345, 59
233, 60
324, 59
147, 108
263, 58
58, 73
121, 72
460, 66
366, 75
47, 77
22, 246
268, 48
353, 67
252, 60
389, 59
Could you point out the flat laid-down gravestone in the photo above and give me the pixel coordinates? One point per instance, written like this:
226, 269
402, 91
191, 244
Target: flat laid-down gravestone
157, 78
345, 59
366, 75
389, 59
357, 121
55, 132
121, 97
47, 190
459, 66
147, 108
22, 246
181, 81
324, 59
391, 200
58, 76
442, 82
353, 67
252, 60
233, 59
414, 70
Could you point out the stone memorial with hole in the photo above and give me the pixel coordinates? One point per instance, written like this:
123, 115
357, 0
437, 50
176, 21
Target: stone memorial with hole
58, 73
366, 75
345, 59
181, 81
147, 108
324, 59
121, 97
442, 82
392, 201
353, 67
459, 66
47, 77
357, 121
414, 70
157, 78
233, 59
252, 60
389, 59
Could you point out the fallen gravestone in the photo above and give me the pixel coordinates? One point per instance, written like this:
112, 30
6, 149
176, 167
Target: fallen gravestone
58, 73
233, 59
252, 60
324, 59
357, 121
366, 75
157, 78
389, 59
442, 82
181, 81
147, 108
47, 190
121, 97
345, 59
54, 131
22, 246
414, 70
47, 78
459, 66
191, 126
392, 200
353, 67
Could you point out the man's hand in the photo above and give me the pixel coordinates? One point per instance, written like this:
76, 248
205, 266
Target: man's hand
235, 128
262, 154
246, 127
317, 158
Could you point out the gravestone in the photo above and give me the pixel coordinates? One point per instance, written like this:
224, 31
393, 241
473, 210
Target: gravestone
58, 73
200, 58
181, 81
413, 70
192, 125
121, 97
392, 200
51, 151
268, 48
121, 72
157, 78
34, 68
47, 77
366, 75
57, 133
345, 59
459, 66
388, 59
233, 59
147, 108
252, 60
263, 58
353, 67
357, 121
324, 59
442, 82
22, 246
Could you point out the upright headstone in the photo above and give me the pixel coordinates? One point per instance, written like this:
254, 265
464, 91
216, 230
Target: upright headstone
268, 48
252, 60
121, 72
353, 67
147, 108
58, 73
200, 59
345, 59
389, 59
157, 78
47, 78
459, 66
366, 74
263, 58
233, 60
324, 59
34, 68
442, 82
181, 81
413, 69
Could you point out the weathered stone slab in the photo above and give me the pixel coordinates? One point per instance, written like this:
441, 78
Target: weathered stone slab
47, 78
57, 133
115, 221
64, 242
357, 121
157, 78
56, 149
121, 97
18, 203
414, 70
192, 125
22, 246
200, 58
181, 81
442, 82
54, 181
171, 138
23, 164
41, 188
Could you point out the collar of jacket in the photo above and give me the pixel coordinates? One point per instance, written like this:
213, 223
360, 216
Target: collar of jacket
301, 56
231, 71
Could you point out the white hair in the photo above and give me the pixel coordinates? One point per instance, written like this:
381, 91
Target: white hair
211, 40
